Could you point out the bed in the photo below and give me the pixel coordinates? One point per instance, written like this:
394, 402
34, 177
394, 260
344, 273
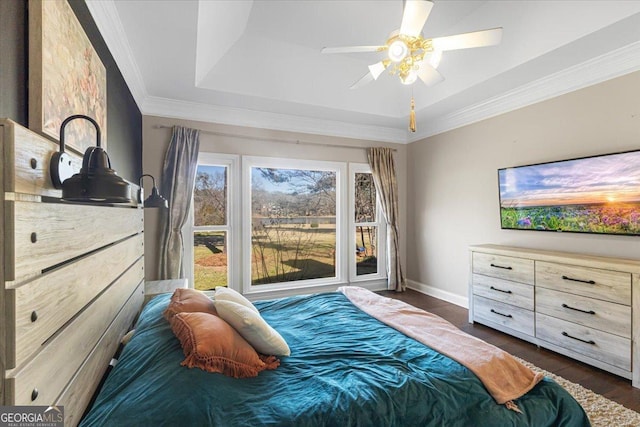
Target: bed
345, 369
72, 277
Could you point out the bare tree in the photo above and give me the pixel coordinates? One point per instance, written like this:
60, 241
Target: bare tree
365, 208
302, 181
283, 247
210, 198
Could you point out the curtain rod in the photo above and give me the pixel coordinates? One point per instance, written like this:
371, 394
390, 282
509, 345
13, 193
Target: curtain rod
285, 141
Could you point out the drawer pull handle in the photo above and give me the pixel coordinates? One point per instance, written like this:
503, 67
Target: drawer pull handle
500, 290
592, 342
501, 314
591, 282
500, 266
577, 309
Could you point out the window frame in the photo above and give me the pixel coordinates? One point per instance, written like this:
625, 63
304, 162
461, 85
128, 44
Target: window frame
238, 227
381, 237
341, 267
232, 163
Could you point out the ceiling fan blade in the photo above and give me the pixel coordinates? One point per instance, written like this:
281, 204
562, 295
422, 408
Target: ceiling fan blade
463, 41
414, 16
366, 79
377, 69
429, 75
352, 49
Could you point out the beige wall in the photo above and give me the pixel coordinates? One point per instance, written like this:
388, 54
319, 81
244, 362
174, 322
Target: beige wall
252, 141
453, 187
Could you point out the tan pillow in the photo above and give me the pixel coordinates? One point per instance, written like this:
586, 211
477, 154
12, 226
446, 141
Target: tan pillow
185, 300
227, 294
253, 328
209, 343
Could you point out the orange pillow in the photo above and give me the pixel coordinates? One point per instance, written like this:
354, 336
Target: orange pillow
185, 300
211, 344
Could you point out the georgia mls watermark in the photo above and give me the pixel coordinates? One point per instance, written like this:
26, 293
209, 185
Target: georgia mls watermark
31, 416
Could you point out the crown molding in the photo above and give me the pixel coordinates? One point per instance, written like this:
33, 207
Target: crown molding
613, 64
105, 14
186, 110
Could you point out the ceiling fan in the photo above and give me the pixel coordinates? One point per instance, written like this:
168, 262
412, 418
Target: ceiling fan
411, 56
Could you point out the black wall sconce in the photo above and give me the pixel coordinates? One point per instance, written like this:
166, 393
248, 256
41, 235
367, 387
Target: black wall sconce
155, 200
96, 182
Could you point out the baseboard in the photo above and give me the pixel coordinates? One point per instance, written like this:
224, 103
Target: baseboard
438, 293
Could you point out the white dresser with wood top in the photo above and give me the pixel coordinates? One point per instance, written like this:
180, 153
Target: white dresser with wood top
584, 307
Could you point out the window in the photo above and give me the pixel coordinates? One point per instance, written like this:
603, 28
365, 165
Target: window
368, 229
293, 225
212, 233
304, 223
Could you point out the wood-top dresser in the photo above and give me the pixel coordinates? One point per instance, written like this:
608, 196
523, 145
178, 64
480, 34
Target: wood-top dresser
584, 307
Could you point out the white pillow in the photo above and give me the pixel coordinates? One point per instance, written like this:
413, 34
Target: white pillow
225, 294
253, 328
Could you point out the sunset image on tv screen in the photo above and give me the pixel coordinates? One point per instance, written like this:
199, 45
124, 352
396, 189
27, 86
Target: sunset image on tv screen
592, 195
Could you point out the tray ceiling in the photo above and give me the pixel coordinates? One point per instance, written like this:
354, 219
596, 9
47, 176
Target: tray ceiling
258, 63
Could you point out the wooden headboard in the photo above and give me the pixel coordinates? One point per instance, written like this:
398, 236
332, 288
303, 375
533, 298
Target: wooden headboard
72, 280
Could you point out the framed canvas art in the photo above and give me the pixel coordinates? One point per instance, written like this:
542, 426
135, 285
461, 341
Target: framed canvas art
66, 76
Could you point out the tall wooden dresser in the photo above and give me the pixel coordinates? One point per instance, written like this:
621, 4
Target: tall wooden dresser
71, 280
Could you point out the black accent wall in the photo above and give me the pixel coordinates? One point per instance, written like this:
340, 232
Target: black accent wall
124, 120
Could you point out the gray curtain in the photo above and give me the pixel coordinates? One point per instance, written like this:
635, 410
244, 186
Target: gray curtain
384, 177
178, 179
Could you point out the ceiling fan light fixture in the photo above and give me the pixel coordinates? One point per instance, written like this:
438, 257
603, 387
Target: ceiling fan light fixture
410, 55
398, 50
410, 78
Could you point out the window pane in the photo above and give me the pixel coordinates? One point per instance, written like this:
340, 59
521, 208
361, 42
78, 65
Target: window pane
209, 259
293, 225
366, 250
365, 198
210, 196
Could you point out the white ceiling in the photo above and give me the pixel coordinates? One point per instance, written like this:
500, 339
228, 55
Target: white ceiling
258, 63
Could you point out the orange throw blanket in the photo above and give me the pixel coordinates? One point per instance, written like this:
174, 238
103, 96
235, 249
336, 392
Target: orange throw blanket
503, 376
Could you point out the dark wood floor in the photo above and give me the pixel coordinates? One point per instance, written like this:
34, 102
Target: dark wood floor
611, 386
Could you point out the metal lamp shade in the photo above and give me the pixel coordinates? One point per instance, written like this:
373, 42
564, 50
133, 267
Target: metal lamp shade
155, 200
96, 182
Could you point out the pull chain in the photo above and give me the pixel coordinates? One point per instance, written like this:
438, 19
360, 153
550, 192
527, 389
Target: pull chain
412, 115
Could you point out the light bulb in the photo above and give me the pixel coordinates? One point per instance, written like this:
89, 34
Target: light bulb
398, 50
409, 78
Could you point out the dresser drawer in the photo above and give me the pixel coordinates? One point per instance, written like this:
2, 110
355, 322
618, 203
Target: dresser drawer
602, 346
506, 291
606, 285
602, 315
504, 267
515, 318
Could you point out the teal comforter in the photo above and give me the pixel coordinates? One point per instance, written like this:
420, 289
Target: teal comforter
345, 369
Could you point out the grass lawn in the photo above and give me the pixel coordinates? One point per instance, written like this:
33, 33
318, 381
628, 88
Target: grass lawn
279, 254
210, 260
293, 252
210, 270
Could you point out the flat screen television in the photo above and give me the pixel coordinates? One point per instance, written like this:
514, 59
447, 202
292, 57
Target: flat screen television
599, 194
